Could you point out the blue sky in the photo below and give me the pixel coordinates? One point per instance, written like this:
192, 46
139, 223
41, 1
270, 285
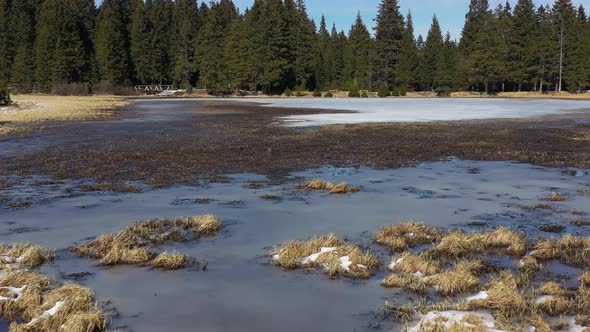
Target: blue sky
451, 13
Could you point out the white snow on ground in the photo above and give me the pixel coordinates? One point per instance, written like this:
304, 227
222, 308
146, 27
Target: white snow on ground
50, 312
479, 296
543, 299
18, 292
394, 263
314, 257
345, 263
452, 317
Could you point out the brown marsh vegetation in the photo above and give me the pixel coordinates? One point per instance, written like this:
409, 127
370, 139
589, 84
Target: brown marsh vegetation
30, 301
213, 142
332, 188
334, 255
136, 244
457, 265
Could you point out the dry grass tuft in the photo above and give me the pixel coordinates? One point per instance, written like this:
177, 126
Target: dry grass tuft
411, 263
504, 296
399, 237
24, 255
170, 261
329, 252
551, 288
30, 284
459, 244
132, 245
541, 206
413, 283
585, 279
530, 263
539, 323
555, 197
339, 188
463, 277
569, 249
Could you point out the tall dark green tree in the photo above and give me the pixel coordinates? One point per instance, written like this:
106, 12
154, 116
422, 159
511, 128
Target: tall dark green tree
433, 49
5, 42
113, 41
522, 55
388, 40
184, 21
358, 56
22, 32
408, 60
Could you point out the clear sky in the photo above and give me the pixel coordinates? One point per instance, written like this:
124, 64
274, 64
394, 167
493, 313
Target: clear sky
451, 13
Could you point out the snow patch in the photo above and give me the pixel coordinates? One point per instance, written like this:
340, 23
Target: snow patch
543, 299
18, 293
313, 257
479, 296
393, 264
345, 262
451, 317
48, 313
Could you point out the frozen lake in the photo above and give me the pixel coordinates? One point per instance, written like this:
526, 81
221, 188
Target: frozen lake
416, 109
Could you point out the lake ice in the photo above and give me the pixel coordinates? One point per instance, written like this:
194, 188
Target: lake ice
417, 109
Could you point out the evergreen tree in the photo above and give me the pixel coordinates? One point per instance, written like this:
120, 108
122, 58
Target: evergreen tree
305, 41
358, 55
566, 27
140, 32
522, 55
5, 45
408, 61
61, 48
504, 16
184, 22
113, 42
22, 33
433, 55
324, 60
388, 39
447, 78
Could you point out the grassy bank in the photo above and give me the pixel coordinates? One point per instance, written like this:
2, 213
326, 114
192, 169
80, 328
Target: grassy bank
32, 110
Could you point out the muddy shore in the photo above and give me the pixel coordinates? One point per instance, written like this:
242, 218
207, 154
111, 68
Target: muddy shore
185, 142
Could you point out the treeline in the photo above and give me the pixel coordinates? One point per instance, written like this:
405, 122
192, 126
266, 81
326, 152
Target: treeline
274, 46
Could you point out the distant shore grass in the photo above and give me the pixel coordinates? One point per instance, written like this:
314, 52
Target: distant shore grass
36, 109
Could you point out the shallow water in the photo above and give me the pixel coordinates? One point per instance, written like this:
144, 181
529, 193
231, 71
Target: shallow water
417, 109
240, 289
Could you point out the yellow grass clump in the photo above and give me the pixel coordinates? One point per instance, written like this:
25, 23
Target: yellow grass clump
411, 263
585, 279
338, 188
41, 108
463, 277
458, 244
336, 256
399, 237
24, 255
133, 245
504, 296
556, 197
551, 288
408, 281
170, 261
569, 249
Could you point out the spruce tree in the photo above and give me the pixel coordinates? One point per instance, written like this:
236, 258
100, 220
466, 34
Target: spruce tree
408, 61
113, 42
433, 55
522, 55
358, 55
388, 39
504, 16
184, 31
566, 28
22, 32
5, 43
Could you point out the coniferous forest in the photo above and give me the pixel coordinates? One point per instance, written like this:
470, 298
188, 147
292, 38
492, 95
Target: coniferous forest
274, 45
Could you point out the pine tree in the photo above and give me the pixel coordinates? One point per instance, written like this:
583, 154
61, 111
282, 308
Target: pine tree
577, 66
184, 31
305, 41
448, 69
388, 39
22, 32
140, 32
324, 56
358, 56
5, 43
113, 42
61, 48
522, 55
565, 22
504, 16
408, 61
433, 55
211, 42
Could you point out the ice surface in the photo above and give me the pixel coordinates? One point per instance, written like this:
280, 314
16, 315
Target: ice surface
416, 109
